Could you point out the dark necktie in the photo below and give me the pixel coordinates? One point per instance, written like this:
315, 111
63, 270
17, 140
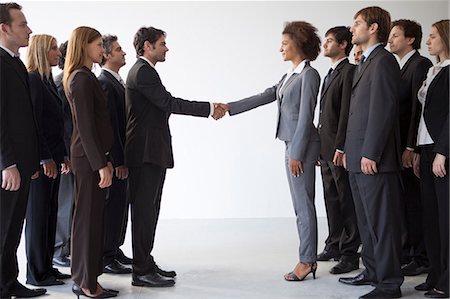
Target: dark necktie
326, 79
360, 65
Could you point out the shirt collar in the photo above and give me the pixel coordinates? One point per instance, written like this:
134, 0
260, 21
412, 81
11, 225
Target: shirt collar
149, 62
443, 63
116, 75
334, 66
405, 58
299, 67
9, 51
369, 51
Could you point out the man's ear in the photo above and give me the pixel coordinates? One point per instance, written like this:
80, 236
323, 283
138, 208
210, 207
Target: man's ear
411, 40
343, 45
373, 27
3, 28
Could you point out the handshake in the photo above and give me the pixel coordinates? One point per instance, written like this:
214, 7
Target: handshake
220, 110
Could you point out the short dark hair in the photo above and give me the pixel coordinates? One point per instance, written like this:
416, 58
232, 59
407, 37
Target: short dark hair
62, 57
108, 40
5, 16
305, 38
342, 34
375, 14
411, 29
144, 34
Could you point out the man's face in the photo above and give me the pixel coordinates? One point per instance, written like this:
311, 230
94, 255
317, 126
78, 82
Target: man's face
158, 49
357, 53
360, 31
331, 47
18, 32
398, 43
117, 55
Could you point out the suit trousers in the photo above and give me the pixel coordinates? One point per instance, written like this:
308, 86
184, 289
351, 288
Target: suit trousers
145, 190
87, 227
13, 207
376, 199
343, 236
40, 228
435, 198
116, 209
302, 193
65, 210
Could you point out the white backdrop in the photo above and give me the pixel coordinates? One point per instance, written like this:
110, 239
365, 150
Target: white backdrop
221, 51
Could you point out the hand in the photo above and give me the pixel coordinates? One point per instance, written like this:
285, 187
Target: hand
407, 158
105, 176
338, 158
344, 161
35, 175
121, 172
50, 169
368, 166
11, 179
416, 165
66, 167
218, 111
439, 165
296, 167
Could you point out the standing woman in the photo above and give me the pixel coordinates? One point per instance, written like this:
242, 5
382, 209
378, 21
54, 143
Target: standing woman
433, 144
42, 207
91, 141
296, 95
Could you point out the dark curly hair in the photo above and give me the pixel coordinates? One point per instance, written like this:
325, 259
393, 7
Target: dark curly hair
305, 38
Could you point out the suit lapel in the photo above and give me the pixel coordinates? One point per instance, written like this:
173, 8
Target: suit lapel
443, 72
114, 80
334, 75
19, 68
408, 63
366, 64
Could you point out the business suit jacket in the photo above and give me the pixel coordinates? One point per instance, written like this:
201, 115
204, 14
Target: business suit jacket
68, 127
436, 111
334, 106
298, 94
149, 106
412, 75
373, 129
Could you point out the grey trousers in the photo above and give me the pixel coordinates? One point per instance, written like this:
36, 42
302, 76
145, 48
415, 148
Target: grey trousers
302, 192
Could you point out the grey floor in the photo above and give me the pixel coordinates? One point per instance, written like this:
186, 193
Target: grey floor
230, 258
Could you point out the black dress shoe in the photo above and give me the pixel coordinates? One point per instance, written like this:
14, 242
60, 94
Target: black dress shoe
60, 275
165, 273
344, 267
377, 293
116, 267
413, 269
151, 280
327, 255
51, 281
436, 294
121, 257
62, 261
19, 290
423, 287
358, 280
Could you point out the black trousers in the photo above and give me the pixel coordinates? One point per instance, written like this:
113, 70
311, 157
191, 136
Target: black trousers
116, 212
13, 207
343, 235
435, 198
376, 200
40, 227
65, 211
146, 185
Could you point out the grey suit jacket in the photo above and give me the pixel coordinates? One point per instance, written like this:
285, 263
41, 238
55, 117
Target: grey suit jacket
296, 104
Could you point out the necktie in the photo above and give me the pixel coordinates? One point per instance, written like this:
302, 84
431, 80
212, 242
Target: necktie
327, 78
122, 82
360, 65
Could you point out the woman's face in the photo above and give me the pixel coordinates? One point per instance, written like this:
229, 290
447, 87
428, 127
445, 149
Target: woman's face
434, 43
95, 50
288, 49
53, 53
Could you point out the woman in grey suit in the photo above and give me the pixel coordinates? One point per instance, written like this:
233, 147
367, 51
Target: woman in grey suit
296, 95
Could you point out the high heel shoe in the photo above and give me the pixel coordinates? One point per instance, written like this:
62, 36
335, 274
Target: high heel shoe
291, 276
79, 292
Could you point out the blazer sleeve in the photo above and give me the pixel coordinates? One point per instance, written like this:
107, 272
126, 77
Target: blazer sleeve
7, 157
383, 108
150, 85
82, 92
37, 99
266, 97
347, 79
308, 100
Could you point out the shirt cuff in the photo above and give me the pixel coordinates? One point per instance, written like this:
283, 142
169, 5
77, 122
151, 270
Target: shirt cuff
45, 161
410, 149
12, 166
211, 109
339, 151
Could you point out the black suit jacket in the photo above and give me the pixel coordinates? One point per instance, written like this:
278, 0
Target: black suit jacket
436, 111
18, 135
68, 127
49, 117
115, 93
373, 128
412, 75
334, 105
149, 106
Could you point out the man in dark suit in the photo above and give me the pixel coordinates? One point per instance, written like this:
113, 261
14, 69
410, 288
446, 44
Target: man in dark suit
148, 148
404, 41
116, 206
343, 236
372, 148
19, 158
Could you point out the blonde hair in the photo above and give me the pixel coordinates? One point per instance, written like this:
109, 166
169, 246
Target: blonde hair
442, 28
37, 54
77, 51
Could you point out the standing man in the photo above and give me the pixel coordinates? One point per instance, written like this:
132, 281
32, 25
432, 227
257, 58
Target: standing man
148, 149
116, 206
372, 148
343, 237
19, 158
404, 41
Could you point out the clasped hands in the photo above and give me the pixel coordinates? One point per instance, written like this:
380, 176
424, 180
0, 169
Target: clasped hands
220, 110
